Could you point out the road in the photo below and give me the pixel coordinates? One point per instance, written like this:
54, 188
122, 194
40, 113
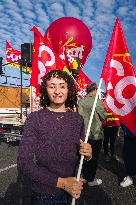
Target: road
16, 191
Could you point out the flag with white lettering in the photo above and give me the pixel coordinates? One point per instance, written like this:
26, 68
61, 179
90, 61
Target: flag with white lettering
119, 77
82, 81
44, 59
12, 56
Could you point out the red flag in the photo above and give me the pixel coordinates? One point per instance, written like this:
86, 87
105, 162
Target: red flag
44, 58
119, 77
12, 56
84, 77
82, 80
67, 55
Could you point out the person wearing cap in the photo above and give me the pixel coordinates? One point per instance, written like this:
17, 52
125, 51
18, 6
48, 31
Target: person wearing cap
96, 134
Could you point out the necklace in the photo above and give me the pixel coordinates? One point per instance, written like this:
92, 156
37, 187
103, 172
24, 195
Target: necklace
58, 117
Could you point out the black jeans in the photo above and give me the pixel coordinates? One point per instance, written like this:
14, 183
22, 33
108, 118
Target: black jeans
110, 134
54, 199
129, 155
90, 167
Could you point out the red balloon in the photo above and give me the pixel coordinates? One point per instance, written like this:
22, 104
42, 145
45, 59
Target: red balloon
70, 33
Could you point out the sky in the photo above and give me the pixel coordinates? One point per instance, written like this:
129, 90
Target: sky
17, 17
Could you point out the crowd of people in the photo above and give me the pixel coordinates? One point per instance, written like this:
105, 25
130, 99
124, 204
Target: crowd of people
53, 142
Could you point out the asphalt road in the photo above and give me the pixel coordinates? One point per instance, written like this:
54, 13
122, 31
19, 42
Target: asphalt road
14, 190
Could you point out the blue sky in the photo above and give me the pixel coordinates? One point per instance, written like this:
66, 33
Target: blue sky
17, 17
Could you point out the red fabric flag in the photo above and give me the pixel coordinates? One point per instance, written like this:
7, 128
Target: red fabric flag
72, 63
81, 81
119, 77
84, 77
65, 53
44, 59
12, 56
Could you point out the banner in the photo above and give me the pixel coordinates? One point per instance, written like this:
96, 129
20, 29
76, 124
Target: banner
44, 59
120, 81
82, 81
13, 58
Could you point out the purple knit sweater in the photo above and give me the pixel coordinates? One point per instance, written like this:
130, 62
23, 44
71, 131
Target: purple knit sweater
53, 139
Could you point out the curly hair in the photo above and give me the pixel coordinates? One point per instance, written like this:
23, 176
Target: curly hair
71, 101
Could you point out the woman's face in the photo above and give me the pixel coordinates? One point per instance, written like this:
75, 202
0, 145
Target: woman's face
57, 90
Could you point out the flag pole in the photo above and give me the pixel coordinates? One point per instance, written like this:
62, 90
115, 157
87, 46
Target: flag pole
21, 91
31, 100
87, 133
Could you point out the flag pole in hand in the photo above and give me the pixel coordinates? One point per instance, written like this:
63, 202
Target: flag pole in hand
87, 134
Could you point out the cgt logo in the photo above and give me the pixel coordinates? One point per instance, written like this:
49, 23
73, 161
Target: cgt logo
71, 50
128, 103
13, 57
42, 64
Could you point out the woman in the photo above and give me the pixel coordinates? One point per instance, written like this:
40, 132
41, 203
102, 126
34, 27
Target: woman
52, 143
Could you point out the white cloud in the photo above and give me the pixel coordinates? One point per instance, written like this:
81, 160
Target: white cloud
18, 16
1, 8
122, 11
72, 10
29, 14
26, 4
55, 10
105, 4
42, 16
132, 13
10, 4
88, 8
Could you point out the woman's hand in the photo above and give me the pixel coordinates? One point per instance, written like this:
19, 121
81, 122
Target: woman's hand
85, 150
71, 185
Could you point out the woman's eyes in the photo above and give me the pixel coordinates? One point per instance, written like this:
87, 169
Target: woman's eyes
51, 86
61, 87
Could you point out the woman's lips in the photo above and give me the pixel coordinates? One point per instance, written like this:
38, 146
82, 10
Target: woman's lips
57, 97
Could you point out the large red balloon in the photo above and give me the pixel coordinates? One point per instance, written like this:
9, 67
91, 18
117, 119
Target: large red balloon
70, 33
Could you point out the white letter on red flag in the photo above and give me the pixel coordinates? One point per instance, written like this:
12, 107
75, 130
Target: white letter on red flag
44, 59
12, 56
119, 77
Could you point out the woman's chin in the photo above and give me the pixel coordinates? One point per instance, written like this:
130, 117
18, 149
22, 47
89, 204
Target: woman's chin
58, 102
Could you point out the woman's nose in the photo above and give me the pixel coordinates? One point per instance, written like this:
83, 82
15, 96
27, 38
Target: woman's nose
57, 90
